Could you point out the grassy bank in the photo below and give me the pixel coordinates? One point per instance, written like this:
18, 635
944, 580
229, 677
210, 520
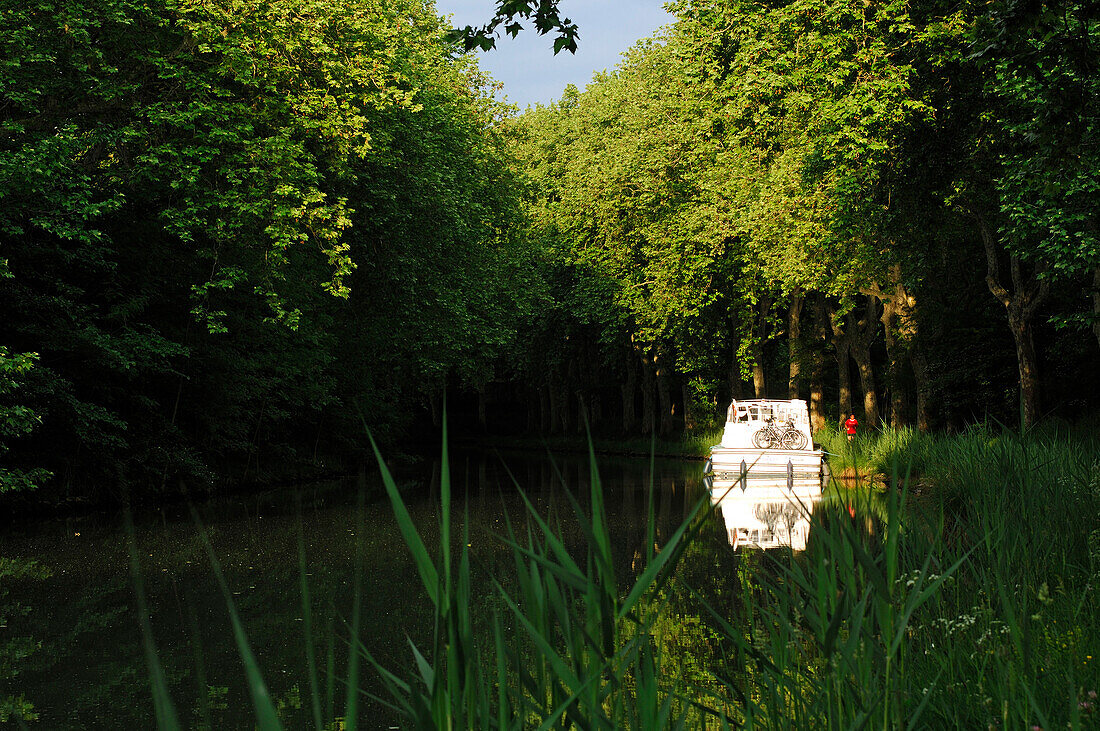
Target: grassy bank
1009, 638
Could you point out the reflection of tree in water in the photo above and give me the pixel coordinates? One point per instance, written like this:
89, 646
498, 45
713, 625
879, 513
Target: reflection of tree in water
791, 515
770, 514
16, 648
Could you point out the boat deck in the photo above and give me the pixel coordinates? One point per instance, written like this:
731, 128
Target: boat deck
803, 467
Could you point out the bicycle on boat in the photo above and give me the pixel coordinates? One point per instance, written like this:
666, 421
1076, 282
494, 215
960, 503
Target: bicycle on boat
770, 436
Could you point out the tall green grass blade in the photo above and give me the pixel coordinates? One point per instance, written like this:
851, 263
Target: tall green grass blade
387, 676
651, 518
330, 666
427, 672
267, 718
429, 577
601, 540
445, 509
565, 566
914, 718
872, 571
162, 700
503, 700
834, 628
659, 569
570, 575
568, 708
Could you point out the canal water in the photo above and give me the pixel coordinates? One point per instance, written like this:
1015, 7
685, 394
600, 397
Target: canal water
73, 637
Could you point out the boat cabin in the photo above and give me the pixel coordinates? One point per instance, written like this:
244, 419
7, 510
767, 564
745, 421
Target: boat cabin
745, 418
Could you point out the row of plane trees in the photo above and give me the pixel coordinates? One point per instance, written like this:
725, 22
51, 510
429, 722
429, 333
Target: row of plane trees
892, 200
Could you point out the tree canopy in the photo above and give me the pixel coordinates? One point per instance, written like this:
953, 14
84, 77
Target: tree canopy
229, 230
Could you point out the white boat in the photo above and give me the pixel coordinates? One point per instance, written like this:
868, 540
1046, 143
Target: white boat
767, 440
766, 475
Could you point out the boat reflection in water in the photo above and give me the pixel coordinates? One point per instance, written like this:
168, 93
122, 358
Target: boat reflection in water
767, 513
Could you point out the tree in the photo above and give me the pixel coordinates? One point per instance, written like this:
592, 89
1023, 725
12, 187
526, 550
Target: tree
191, 190
544, 14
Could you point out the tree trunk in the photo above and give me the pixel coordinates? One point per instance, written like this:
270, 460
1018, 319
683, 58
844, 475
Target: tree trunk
862, 357
481, 420
844, 375
554, 396
907, 341
760, 387
531, 401
664, 394
1022, 332
568, 391
817, 368
794, 332
649, 407
689, 411
435, 400
893, 361
629, 388
1021, 305
817, 392
842, 344
865, 328
736, 380
545, 417
919, 362
595, 410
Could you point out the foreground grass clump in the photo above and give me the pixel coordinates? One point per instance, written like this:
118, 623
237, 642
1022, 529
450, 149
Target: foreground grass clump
566, 649
973, 606
1009, 639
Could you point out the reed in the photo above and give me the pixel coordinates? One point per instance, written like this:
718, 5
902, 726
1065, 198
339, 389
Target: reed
566, 649
968, 605
959, 594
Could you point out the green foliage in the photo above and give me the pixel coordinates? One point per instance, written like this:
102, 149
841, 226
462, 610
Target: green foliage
16, 419
221, 224
754, 156
1038, 69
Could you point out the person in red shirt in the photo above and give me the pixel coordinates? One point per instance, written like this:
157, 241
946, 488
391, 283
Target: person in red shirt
850, 426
